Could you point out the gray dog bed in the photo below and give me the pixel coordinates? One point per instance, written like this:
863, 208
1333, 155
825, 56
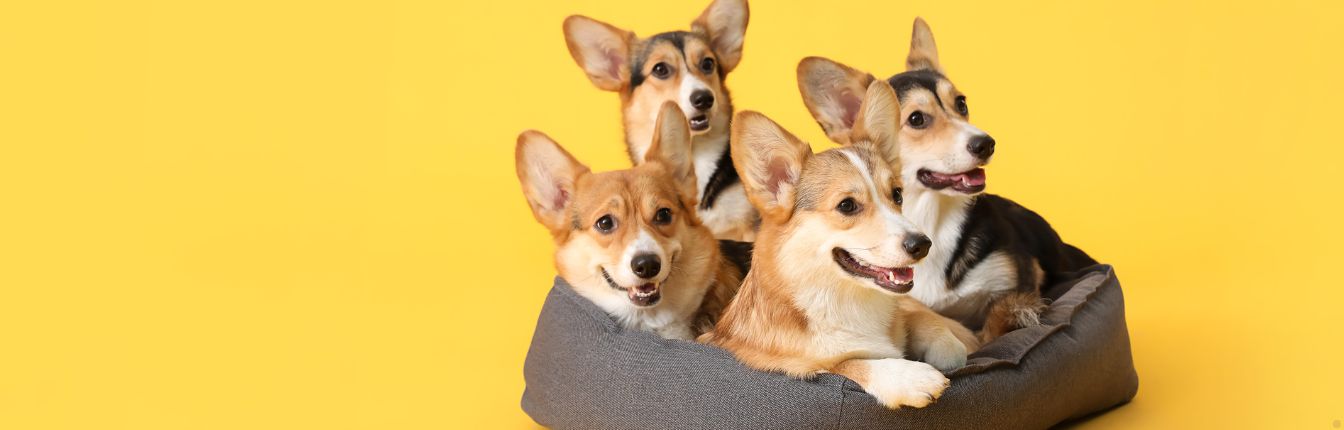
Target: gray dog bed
585, 371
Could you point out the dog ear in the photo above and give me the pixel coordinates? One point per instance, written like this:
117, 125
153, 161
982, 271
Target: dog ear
833, 92
879, 121
672, 147
923, 52
548, 175
770, 162
725, 21
603, 51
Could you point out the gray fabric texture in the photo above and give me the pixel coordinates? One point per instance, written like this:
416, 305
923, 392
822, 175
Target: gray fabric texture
585, 371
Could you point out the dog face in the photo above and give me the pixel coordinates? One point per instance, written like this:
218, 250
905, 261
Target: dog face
619, 234
833, 217
940, 149
684, 67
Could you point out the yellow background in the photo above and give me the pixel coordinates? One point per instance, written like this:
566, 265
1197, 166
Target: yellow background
304, 215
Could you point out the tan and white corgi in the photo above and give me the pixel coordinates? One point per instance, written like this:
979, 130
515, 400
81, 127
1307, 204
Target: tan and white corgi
832, 263
629, 240
990, 256
689, 69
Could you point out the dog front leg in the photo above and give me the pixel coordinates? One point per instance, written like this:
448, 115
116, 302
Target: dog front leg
935, 339
895, 382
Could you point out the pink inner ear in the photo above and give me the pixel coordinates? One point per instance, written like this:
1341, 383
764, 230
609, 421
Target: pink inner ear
849, 105
613, 64
778, 173
561, 197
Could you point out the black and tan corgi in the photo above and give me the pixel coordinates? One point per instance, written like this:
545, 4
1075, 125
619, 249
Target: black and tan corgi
990, 256
689, 69
629, 240
826, 289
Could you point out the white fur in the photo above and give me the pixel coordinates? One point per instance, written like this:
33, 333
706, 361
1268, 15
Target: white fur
670, 318
896, 382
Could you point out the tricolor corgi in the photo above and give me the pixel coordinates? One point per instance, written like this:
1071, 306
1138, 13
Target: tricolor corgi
629, 240
990, 256
833, 261
689, 69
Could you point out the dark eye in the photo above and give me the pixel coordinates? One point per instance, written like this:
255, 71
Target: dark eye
961, 106
918, 120
707, 65
663, 216
847, 206
605, 224
661, 70
896, 195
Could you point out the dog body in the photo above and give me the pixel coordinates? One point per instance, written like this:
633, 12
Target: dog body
629, 240
831, 264
687, 68
990, 256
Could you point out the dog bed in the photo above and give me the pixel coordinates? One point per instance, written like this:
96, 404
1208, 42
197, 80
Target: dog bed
585, 371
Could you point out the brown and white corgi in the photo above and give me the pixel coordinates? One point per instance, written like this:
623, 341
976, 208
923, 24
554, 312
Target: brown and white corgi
990, 256
688, 68
629, 240
832, 263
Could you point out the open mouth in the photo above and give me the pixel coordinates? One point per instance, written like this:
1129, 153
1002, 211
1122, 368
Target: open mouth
699, 122
895, 279
969, 182
643, 295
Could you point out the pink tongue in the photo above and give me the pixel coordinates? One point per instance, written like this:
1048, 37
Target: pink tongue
974, 177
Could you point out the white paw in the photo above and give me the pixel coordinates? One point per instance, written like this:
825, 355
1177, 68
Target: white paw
896, 383
946, 353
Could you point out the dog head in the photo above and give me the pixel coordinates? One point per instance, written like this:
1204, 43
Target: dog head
619, 234
939, 147
831, 218
685, 67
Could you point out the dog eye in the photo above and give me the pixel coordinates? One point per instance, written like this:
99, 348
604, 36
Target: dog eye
961, 106
661, 70
917, 120
847, 206
707, 65
663, 216
896, 195
605, 224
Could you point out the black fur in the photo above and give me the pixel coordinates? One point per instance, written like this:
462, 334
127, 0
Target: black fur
924, 78
724, 176
676, 38
994, 224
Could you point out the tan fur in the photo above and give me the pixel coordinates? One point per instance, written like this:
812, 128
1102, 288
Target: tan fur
1011, 312
606, 53
798, 311
568, 199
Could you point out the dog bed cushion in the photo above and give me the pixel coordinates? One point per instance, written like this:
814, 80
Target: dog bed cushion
584, 371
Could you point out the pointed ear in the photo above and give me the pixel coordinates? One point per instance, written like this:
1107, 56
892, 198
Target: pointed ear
548, 175
833, 93
879, 121
725, 21
770, 162
923, 52
603, 51
672, 147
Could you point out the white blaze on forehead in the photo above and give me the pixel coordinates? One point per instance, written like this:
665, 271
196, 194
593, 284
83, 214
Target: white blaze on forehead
896, 224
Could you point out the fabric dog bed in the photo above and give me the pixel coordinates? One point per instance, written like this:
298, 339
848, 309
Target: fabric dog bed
585, 371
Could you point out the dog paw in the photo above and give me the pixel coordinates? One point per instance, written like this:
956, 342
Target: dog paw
897, 383
946, 353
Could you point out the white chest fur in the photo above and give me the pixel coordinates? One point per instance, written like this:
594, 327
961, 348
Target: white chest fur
848, 319
942, 217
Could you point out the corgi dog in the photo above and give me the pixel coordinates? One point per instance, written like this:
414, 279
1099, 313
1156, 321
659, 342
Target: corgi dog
629, 240
688, 68
833, 263
990, 256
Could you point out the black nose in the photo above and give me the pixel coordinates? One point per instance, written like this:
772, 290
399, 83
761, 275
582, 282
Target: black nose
982, 146
646, 265
917, 245
702, 99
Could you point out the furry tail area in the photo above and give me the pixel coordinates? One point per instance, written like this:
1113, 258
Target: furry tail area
1012, 312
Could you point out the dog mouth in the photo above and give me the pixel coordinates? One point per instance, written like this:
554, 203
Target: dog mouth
895, 279
969, 182
699, 122
642, 295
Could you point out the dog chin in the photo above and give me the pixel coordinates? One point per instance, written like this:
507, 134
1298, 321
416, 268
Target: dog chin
646, 295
